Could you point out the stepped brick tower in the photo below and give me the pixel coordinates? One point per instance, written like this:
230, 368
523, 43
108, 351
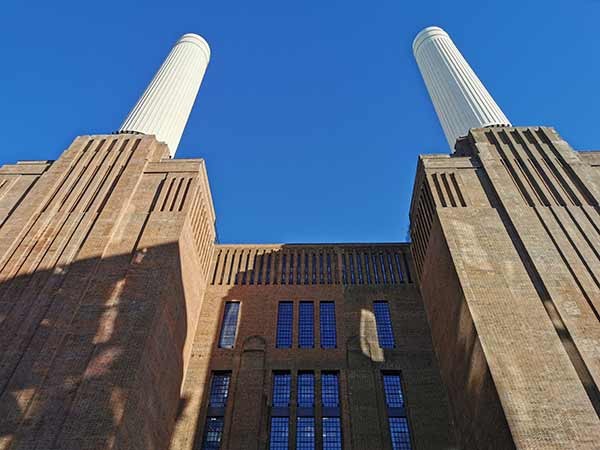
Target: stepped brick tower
506, 242
104, 262
105, 256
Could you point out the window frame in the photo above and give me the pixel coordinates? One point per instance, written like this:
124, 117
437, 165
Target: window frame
288, 375
384, 325
307, 390
280, 445
323, 325
332, 445
223, 324
306, 324
311, 426
397, 412
216, 410
281, 331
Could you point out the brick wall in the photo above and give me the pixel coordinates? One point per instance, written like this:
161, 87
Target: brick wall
506, 243
260, 285
103, 266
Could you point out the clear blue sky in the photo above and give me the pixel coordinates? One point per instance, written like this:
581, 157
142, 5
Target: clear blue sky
312, 113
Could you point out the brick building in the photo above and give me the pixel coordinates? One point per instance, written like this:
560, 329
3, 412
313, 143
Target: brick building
125, 326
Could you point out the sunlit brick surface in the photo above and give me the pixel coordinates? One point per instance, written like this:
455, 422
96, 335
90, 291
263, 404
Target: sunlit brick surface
506, 241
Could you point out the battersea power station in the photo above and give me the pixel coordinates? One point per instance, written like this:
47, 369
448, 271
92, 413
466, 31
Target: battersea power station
125, 325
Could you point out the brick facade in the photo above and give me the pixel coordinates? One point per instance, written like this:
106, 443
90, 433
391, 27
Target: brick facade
103, 265
259, 278
112, 297
506, 243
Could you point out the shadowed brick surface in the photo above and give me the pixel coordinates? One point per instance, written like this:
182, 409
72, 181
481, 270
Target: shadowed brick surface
103, 261
259, 277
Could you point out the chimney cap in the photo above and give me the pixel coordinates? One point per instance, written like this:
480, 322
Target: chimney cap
425, 34
196, 39
459, 98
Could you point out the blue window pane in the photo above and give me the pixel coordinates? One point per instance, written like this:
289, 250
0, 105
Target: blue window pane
306, 389
281, 388
219, 389
385, 334
305, 433
229, 326
306, 332
213, 432
327, 325
399, 433
330, 389
332, 433
392, 385
280, 432
285, 316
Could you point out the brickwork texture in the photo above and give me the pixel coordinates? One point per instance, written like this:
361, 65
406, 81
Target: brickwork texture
506, 243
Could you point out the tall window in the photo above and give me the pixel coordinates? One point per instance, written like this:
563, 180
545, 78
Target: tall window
280, 431
305, 433
219, 392
282, 382
280, 421
219, 389
306, 389
213, 433
306, 325
330, 390
327, 324
330, 400
385, 334
332, 433
229, 324
392, 384
285, 317
398, 422
305, 423
399, 433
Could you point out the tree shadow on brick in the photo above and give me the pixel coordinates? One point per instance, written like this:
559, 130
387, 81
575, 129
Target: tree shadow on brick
93, 353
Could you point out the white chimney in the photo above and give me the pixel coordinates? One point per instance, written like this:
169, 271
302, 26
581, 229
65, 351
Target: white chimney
165, 105
459, 98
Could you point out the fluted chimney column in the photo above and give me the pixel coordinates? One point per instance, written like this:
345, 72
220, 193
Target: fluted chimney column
460, 100
164, 107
